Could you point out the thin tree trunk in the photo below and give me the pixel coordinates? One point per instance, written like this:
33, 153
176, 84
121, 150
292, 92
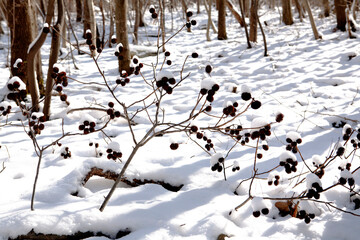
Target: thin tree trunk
222, 20
264, 37
89, 21
286, 12
312, 22
121, 7
326, 8
54, 53
340, 6
33, 50
299, 9
162, 23
185, 11
20, 24
198, 6
235, 13
208, 10
245, 25
253, 20
246, 7
208, 4
137, 21
79, 10
111, 5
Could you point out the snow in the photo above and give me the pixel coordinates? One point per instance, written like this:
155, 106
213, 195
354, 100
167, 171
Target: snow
313, 83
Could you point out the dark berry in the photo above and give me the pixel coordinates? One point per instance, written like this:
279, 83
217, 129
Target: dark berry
256, 214
152, 10
256, 104
174, 146
154, 15
246, 96
193, 22
279, 117
208, 69
63, 97
189, 14
195, 55
351, 182
265, 211
342, 181
188, 25
168, 62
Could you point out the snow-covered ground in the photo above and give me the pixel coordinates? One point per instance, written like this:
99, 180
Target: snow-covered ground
313, 83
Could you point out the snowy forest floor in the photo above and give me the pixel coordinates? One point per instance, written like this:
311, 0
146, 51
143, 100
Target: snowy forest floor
313, 83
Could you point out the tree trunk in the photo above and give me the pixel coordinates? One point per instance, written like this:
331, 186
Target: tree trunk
111, 5
137, 20
299, 9
89, 21
253, 20
235, 13
246, 7
326, 8
184, 6
54, 53
20, 24
121, 7
162, 23
312, 22
340, 6
286, 12
222, 20
245, 25
35, 47
78, 10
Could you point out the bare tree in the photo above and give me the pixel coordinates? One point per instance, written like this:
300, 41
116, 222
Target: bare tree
137, 10
185, 9
312, 22
89, 19
121, 7
20, 24
286, 12
79, 10
222, 20
340, 6
326, 8
253, 20
54, 54
32, 51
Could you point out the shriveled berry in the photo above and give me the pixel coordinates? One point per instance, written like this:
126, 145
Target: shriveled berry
174, 146
256, 214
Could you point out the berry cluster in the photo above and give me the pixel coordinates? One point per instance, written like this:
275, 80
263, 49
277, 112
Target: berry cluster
136, 66
88, 36
216, 161
87, 126
288, 161
230, 108
168, 61
209, 88
152, 10
19, 68
17, 89
347, 131
293, 139
271, 180
302, 214
111, 111
236, 166
36, 122
113, 151
5, 108
165, 83
201, 135
234, 131
264, 211
314, 191
259, 207
98, 152
118, 50
189, 14
346, 177
246, 96
61, 81
122, 82
65, 153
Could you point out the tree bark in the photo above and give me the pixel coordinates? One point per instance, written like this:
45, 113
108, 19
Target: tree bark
326, 8
78, 10
137, 21
340, 6
20, 24
89, 21
184, 6
312, 22
33, 50
54, 54
253, 20
121, 7
299, 9
286, 12
246, 7
221, 20
235, 13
